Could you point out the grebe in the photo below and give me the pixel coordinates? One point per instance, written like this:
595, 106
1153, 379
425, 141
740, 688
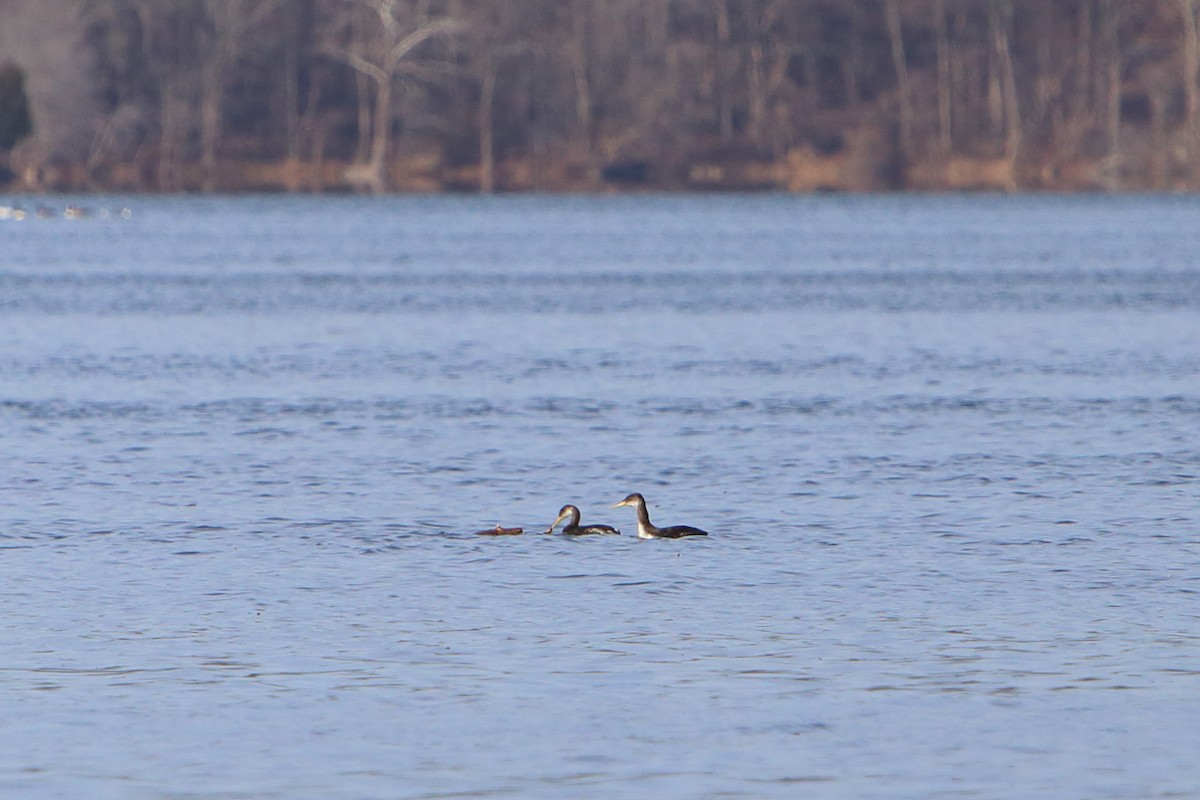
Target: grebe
647, 531
573, 528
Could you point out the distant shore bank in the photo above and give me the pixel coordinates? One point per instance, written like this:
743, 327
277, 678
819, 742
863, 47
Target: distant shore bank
802, 171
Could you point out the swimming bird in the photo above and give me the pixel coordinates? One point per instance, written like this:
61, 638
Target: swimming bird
573, 528
647, 531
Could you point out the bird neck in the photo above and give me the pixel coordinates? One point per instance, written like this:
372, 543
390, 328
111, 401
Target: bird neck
643, 517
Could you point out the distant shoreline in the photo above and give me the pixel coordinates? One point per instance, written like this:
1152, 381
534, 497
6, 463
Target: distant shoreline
803, 171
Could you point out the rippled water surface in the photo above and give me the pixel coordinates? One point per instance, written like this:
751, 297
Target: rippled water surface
947, 449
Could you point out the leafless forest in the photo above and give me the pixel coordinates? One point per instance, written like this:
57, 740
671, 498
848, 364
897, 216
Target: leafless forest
602, 95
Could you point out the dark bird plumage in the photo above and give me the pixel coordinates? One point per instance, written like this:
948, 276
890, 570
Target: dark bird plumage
573, 528
646, 530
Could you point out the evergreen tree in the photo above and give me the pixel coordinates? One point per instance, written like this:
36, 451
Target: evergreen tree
16, 122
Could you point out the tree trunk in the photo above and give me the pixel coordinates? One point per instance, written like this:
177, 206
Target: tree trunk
1085, 96
291, 100
1191, 65
1111, 22
171, 123
320, 133
757, 112
487, 154
945, 134
362, 92
1113, 29
381, 139
723, 81
211, 104
763, 76
900, 63
581, 67
852, 64
1159, 177
1001, 15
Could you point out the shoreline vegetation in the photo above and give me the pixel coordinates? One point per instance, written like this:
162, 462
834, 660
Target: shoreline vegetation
598, 96
802, 172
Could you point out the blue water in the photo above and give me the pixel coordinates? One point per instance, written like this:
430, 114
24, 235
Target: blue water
948, 450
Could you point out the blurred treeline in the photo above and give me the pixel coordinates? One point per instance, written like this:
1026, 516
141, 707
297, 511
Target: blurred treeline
489, 95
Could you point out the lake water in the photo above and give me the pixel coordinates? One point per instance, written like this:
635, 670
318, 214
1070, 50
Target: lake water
948, 450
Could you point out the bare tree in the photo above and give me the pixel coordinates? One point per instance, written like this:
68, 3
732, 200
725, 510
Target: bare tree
379, 50
945, 87
579, 55
1000, 14
1111, 12
305, 79
900, 62
724, 67
1189, 10
45, 39
160, 92
518, 51
230, 24
769, 48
